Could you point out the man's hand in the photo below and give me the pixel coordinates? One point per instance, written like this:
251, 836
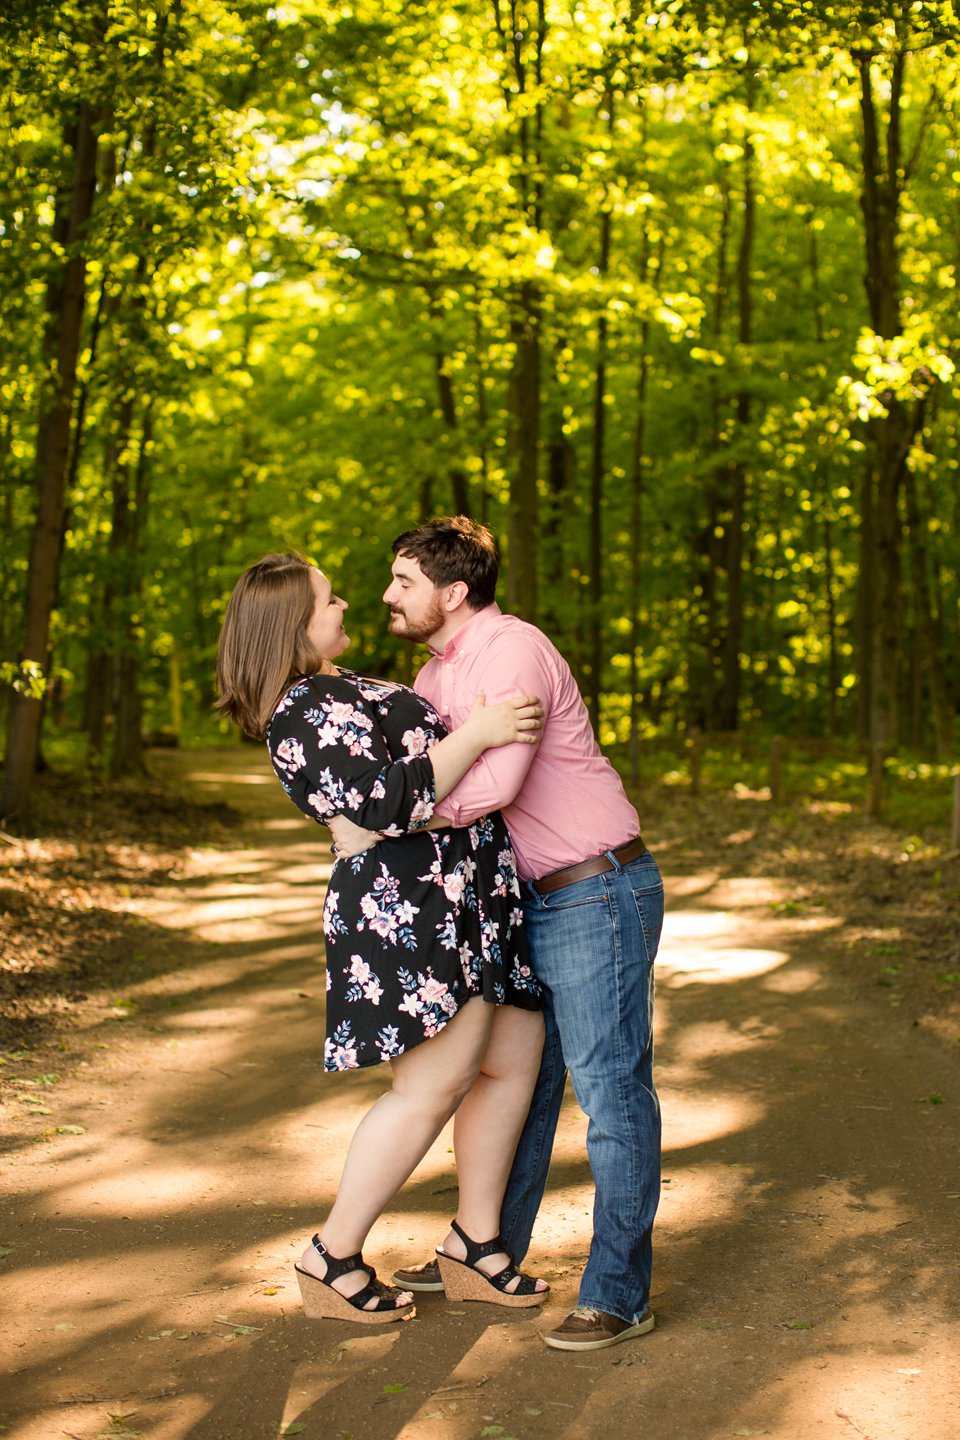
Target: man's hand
350, 839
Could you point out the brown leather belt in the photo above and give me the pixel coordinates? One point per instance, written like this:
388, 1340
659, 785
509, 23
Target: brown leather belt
599, 865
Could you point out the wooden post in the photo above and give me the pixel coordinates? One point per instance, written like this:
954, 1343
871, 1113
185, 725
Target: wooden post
955, 828
776, 752
874, 806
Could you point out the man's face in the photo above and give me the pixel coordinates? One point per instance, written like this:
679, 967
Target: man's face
416, 611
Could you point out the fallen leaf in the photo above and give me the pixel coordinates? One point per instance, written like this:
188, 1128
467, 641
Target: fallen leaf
393, 1389
297, 1428
70, 1130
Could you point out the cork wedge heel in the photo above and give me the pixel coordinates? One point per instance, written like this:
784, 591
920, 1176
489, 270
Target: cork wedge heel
463, 1281
322, 1302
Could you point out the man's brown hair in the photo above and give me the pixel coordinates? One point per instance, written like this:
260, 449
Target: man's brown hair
453, 548
263, 644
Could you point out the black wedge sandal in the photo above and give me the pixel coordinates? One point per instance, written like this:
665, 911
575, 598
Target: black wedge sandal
463, 1281
322, 1302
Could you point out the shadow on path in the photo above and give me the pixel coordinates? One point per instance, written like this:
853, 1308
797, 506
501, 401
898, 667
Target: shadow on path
806, 1281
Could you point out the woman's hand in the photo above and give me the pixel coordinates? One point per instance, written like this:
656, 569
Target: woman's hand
350, 839
518, 719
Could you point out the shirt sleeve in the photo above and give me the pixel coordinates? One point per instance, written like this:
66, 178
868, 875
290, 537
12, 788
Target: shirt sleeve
512, 666
332, 759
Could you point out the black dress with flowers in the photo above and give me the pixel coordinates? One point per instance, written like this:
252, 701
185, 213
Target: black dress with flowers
426, 919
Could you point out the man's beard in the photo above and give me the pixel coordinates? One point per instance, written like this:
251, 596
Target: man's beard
418, 631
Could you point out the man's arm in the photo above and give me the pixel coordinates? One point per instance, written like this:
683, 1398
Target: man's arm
512, 663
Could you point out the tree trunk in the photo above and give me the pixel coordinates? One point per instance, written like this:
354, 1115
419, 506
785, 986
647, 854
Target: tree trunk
636, 541
594, 668
523, 446
737, 472
459, 484
127, 756
522, 43
66, 294
880, 201
929, 657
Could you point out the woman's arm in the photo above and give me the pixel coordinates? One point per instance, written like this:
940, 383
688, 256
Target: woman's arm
486, 727
332, 758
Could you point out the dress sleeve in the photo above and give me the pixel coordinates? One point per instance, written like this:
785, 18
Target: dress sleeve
332, 759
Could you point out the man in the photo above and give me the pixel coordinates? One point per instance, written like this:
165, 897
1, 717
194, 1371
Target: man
593, 908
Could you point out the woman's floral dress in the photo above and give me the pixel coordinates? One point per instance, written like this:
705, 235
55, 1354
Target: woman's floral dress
422, 921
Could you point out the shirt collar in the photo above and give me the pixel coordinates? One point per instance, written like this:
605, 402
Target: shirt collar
470, 637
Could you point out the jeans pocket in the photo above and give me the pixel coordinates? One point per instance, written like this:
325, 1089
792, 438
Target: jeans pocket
649, 903
556, 900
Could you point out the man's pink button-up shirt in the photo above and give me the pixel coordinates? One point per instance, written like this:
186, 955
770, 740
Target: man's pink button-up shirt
562, 799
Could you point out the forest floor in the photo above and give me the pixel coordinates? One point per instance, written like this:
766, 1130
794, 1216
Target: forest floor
169, 1140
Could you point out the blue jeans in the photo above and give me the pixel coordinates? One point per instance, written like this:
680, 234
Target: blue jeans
593, 946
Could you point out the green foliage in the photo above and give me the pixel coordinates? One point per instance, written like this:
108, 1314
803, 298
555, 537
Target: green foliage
317, 235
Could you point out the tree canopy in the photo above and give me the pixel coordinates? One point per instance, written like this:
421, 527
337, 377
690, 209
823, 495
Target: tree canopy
666, 294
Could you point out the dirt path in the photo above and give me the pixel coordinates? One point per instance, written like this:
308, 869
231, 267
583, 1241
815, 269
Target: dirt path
806, 1283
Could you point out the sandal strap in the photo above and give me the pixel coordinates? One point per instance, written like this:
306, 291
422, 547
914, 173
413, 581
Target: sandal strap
385, 1295
500, 1281
337, 1267
479, 1250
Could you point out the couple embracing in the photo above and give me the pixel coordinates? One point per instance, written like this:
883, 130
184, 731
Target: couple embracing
491, 924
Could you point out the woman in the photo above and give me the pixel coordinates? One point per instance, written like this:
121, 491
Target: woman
426, 959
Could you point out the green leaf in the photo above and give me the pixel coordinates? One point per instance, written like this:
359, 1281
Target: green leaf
393, 1389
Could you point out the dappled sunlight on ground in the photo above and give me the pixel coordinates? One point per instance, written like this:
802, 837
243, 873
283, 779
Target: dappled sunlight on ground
804, 1283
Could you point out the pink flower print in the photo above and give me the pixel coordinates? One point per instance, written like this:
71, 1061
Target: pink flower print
329, 735
359, 969
341, 711
432, 991
344, 1057
290, 754
466, 954
410, 1005
453, 887
415, 742
420, 811
369, 906
320, 803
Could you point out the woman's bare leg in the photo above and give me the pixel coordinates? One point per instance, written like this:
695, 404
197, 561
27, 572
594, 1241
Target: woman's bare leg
488, 1126
429, 1083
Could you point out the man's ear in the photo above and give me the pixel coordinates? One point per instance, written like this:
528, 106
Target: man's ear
455, 595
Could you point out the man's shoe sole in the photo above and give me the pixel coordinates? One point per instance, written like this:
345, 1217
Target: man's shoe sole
559, 1342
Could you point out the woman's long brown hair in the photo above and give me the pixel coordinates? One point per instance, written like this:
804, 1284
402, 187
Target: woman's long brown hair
263, 644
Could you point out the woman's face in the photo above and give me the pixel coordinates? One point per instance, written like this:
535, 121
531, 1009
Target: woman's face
325, 628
